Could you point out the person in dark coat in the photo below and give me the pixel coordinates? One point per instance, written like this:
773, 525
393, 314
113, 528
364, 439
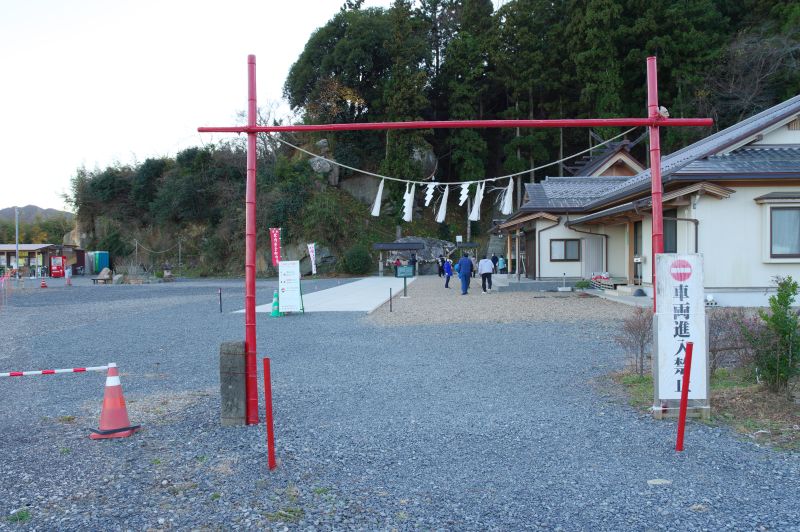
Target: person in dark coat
441, 262
494, 262
464, 273
448, 272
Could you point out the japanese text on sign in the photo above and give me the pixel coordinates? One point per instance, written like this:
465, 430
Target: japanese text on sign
681, 319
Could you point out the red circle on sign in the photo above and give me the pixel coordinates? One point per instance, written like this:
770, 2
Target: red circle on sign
680, 270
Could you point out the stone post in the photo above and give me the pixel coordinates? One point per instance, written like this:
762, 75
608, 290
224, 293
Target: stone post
232, 383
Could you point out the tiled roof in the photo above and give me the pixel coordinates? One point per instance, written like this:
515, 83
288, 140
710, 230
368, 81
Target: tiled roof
749, 160
710, 145
698, 160
556, 193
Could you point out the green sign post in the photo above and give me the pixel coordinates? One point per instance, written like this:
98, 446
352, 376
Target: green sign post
405, 272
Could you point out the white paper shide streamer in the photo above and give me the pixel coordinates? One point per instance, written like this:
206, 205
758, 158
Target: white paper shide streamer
475, 213
506, 206
376, 207
408, 201
464, 194
443, 206
429, 193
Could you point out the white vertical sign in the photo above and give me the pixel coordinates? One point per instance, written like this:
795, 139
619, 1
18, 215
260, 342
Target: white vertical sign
680, 305
289, 286
312, 255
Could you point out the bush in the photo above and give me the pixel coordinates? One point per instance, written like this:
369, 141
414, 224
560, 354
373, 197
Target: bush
727, 345
776, 345
357, 260
637, 336
583, 284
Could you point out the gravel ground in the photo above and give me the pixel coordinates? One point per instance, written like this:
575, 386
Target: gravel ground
471, 426
429, 302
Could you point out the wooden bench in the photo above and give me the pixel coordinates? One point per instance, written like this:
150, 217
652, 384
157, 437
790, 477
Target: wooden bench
101, 280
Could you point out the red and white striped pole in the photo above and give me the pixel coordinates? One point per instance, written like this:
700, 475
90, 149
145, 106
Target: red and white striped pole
52, 371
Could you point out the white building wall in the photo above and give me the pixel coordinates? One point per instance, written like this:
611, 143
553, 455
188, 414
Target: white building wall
617, 249
547, 267
734, 240
647, 250
615, 262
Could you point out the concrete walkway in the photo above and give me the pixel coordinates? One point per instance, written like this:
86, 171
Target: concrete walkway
364, 295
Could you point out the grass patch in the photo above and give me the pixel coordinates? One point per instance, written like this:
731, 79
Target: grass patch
638, 388
321, 491
215, 496
725, 378
22, 516
66, 419
286, 515
737, 401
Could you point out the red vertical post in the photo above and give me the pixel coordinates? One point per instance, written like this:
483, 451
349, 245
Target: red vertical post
268, 415
251, 370
687, 369
655, 168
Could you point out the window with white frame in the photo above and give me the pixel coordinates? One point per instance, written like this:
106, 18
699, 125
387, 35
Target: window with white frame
565, 250
784, 232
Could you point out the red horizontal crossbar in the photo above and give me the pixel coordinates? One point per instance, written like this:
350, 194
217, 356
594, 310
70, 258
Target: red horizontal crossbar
462, 124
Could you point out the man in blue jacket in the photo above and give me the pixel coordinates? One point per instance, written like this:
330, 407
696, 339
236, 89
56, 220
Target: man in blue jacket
464, 273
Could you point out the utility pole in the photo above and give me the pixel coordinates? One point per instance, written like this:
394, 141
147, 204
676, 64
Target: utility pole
16, 232
179, 258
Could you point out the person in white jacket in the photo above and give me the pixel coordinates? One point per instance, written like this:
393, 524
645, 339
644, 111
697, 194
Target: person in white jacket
485, 268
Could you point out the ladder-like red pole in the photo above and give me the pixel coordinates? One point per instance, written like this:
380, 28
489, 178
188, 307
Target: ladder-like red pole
655, 169
251, 375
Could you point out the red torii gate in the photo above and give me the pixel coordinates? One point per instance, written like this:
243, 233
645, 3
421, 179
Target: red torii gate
653, 121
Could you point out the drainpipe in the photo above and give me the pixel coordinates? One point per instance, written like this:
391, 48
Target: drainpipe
539, 249
695, 221
605, 252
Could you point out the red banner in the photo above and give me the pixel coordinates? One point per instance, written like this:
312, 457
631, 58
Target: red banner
275, 241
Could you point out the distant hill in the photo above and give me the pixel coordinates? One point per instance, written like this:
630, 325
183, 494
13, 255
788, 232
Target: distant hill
28, 214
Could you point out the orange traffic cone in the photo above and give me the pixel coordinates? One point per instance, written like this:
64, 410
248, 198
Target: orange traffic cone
43, 284
114, 421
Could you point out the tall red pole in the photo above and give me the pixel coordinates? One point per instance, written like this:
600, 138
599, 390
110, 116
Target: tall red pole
687, 370
251, 377
271, 463
655, 168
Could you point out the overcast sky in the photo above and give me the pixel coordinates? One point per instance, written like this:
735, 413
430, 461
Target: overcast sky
91, 83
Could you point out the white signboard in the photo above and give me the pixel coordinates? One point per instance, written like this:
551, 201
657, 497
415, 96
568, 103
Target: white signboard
289, 286
681, 310
312, 255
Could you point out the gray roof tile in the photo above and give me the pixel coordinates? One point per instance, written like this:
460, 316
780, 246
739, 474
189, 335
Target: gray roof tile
591, 193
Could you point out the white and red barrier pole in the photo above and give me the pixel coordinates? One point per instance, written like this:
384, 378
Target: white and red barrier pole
268, 417
52, 371
687, 369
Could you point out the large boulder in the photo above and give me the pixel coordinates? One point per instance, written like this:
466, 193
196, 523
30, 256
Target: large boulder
362, 187
324, 257
426, 256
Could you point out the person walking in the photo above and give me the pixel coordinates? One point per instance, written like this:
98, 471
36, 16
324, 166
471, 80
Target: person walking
485, 268
495, 260
441, 262
501, 264
464, 273
474, 264
448, 272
